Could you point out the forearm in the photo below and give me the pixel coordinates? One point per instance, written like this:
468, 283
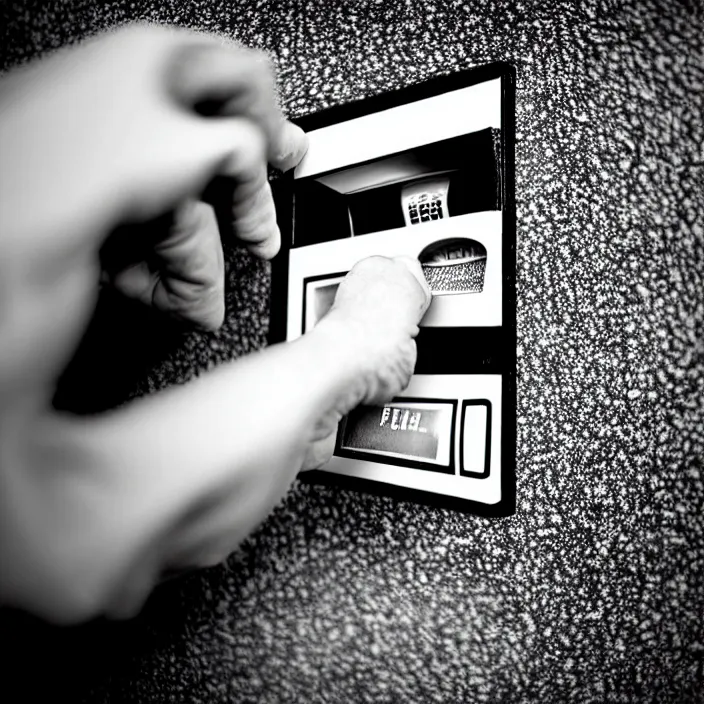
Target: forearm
85, 502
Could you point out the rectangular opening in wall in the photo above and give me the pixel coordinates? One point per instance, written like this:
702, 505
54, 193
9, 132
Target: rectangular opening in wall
318, 296
424, 184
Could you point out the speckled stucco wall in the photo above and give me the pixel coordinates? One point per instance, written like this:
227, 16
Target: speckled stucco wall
594, 590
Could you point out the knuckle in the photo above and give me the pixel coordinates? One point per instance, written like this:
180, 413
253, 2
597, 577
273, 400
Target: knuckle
255, 231
269, 247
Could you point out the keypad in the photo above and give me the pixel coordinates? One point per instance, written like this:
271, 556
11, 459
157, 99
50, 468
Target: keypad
425, 207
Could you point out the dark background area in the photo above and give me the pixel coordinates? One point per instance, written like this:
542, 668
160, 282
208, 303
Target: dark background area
594, 590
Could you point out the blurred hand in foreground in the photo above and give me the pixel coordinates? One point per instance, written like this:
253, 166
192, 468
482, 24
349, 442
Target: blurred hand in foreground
116, 155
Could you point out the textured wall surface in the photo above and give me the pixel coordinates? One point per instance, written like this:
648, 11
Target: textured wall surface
594, 590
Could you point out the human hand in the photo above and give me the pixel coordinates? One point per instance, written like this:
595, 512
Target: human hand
373, 322
109, 151
380, 302
101, 144
115, 155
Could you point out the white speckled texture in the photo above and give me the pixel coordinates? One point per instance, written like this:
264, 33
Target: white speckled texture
594, 590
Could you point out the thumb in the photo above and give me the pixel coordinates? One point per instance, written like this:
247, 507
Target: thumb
413, 265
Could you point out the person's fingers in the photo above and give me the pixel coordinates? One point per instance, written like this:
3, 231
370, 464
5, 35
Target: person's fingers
227, 128
185, 274
254, 219
192, 282
227, 81
241, 193
223, 160
222, 82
